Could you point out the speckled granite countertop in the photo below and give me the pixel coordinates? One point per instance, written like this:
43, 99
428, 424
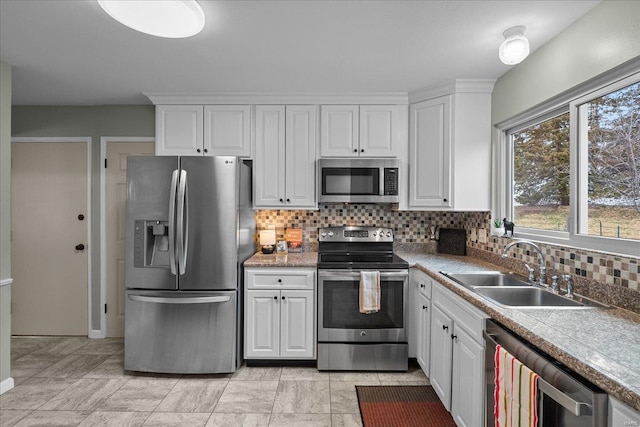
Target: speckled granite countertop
300, 259
602, 345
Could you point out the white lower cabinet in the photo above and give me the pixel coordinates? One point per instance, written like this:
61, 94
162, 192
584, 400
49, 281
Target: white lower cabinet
279, 314
457, 356
420, 318
620, 414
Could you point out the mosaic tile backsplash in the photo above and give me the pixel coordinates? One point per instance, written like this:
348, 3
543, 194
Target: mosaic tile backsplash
412, 228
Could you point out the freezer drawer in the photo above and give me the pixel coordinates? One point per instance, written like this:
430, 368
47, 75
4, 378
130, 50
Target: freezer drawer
180, 332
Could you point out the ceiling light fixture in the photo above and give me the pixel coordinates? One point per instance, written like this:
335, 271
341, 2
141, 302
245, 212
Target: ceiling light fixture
162, 18
515, 46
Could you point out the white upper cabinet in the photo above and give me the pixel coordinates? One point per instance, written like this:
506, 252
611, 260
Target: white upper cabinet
211, 130
227, 130
429, 153
376, 130
339, 131
179, 130
358, 131
285, 156
300, 155
450, 150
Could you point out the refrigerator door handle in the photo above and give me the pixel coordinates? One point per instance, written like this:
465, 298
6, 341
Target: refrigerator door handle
172, 221
190, 300
182, 223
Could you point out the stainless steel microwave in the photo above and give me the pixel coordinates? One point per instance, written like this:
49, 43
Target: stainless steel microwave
358, 180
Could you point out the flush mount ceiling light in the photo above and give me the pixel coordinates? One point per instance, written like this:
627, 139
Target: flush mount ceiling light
162, 18
515, 46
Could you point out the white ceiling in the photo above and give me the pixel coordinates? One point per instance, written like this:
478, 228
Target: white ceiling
69, 52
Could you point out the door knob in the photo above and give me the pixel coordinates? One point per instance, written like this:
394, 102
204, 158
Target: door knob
80, 217
80, 247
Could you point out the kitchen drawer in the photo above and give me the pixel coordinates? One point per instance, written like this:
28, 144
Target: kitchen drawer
422, 282
464, 314
287, 278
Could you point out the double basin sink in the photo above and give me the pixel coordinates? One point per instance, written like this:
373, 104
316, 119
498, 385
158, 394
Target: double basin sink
509, 290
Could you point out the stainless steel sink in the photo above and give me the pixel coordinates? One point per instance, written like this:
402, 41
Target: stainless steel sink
509, 290
474, 279
526, 297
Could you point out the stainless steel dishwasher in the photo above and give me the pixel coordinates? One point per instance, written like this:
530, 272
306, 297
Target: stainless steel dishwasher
564, 398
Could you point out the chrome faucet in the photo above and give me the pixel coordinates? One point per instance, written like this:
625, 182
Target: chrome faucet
532, 278
541, 260
567, 280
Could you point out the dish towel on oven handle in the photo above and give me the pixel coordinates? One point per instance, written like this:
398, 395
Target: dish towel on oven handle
516, 392
369, 292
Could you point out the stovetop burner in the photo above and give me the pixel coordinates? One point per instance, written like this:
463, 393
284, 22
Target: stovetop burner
357, 247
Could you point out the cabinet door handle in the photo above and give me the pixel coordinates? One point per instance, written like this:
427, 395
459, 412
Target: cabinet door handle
445, 328
283, 297
424, 307
445, 200
279, 280
288, 200
281, 201
198, 150
454, 337
362, 150
355, 150
206, 150
422, 285
275, 297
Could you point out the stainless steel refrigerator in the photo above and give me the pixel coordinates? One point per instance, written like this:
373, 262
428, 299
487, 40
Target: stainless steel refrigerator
189, 229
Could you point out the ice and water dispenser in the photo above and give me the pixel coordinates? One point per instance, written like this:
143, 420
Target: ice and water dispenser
151, 244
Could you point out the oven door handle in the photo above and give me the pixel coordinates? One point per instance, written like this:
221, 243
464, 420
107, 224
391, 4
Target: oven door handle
356, 274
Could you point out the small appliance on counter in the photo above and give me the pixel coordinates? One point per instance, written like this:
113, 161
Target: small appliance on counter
452, 241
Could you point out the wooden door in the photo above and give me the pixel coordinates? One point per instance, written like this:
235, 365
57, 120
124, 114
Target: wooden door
115, 212
49, 246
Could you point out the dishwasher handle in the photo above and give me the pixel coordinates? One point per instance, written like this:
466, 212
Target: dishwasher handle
575, 407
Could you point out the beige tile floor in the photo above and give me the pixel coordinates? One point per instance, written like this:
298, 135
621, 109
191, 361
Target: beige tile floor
69, 381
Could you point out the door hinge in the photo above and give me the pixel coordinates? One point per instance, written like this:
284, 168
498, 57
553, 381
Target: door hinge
105, 163
105, 309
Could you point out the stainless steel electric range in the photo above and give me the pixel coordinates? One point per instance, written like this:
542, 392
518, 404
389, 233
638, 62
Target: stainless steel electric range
348, 339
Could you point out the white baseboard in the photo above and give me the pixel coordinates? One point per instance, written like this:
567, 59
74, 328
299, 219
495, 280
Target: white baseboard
6, 385
97, 333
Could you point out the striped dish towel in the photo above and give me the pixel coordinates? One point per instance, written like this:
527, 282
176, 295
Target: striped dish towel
369, 292
516, 392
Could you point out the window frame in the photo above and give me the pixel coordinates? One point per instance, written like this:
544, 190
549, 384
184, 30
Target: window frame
570, 101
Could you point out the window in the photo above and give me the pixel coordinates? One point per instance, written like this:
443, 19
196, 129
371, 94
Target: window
572, 168
609, 138
541, 174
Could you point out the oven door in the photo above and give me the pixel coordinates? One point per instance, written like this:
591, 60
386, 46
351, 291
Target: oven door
339, 318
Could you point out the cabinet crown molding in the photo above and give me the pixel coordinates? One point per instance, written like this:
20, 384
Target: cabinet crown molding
456, 86
161, 98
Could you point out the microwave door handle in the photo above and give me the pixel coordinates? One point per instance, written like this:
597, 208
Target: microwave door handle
172, 221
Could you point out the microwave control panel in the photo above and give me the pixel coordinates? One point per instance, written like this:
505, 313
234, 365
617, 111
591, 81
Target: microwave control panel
390, 181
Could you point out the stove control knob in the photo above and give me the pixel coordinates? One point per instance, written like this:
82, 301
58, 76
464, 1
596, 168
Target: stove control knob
363, 333
375, 234
331, 234
388, 234
323, 234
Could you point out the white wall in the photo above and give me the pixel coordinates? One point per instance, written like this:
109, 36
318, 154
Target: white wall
5, 227
607, 36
